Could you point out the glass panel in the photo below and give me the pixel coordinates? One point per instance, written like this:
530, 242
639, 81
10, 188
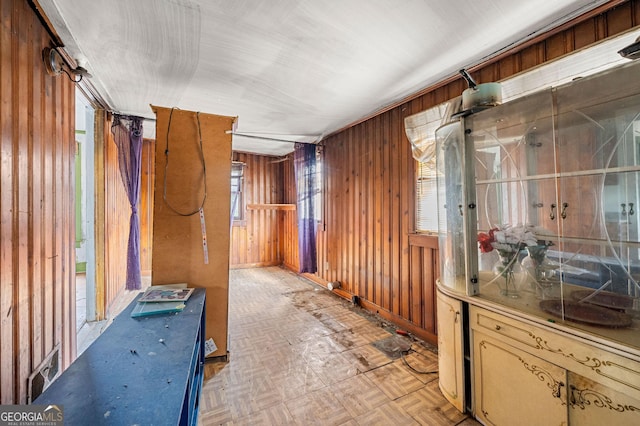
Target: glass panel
518, 136
515, 190
449, 165
598, 139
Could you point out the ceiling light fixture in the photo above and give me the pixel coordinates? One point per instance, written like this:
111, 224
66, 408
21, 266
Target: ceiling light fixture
55, 64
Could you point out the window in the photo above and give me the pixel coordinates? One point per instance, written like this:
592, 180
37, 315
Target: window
426, 196
319, 182
421, 129
237, 197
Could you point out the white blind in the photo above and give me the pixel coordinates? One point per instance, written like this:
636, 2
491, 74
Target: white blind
426, 197
421, 130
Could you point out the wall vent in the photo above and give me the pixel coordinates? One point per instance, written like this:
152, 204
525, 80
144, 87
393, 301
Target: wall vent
44, 374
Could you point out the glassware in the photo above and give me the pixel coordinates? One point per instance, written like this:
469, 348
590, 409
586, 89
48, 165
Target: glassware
510, 272
540, 270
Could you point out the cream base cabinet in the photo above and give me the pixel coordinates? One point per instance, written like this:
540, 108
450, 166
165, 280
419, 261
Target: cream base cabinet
592, 403
524, 373
450, 350
514, 387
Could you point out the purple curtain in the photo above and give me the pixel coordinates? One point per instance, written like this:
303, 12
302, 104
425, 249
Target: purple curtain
127, 133
304, 161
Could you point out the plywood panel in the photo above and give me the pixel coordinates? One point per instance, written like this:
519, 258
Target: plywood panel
178, 254
37, 256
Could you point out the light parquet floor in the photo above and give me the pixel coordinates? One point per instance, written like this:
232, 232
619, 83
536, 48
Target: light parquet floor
300, 355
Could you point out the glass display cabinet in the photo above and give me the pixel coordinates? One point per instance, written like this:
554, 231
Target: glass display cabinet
539, 202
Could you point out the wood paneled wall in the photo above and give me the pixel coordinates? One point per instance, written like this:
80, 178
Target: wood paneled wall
289, 228
148, 172
115, 226
367, 240
37, 229
255, 241
368, 215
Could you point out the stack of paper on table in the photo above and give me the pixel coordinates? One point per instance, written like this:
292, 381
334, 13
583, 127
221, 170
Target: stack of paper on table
162, 299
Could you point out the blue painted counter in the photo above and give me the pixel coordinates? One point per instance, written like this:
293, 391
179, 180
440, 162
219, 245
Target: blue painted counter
129, 376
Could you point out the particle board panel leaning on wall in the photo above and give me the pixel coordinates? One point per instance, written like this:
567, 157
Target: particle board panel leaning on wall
178, 254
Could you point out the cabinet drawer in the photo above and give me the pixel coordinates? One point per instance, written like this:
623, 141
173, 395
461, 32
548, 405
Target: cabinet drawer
590, 361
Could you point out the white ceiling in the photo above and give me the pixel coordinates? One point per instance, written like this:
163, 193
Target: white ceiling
293, 70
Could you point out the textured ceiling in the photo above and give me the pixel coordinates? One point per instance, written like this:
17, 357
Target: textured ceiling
292, 70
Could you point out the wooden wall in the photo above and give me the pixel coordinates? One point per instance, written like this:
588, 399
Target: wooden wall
289, 220
37, 229
146, 202
115, 226
367, 240
255, 241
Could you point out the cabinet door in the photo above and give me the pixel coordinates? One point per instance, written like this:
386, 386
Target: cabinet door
450, 166
508, 382
514, 145
591, 403
450, 350
598, 144
516, 185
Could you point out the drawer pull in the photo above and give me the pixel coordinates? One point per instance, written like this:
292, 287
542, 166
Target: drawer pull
498, 327
557, 392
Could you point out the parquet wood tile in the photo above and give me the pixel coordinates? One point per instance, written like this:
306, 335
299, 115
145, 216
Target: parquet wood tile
423, 363
366, 358
214, 417
371, 333
281, 358
275, 415
320, 407
240, 344
394, 380
389, 414
251, 396
355, 337
429, 407
311, 300
241, 369
346, 314
297, 381
328, 321
359, 395
310, 332
300, 355
319, 347
335, 367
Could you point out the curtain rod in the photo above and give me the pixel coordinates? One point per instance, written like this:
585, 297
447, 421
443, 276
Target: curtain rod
244, 135
129, 116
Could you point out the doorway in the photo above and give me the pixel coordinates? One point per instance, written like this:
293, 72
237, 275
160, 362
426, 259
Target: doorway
85, 213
